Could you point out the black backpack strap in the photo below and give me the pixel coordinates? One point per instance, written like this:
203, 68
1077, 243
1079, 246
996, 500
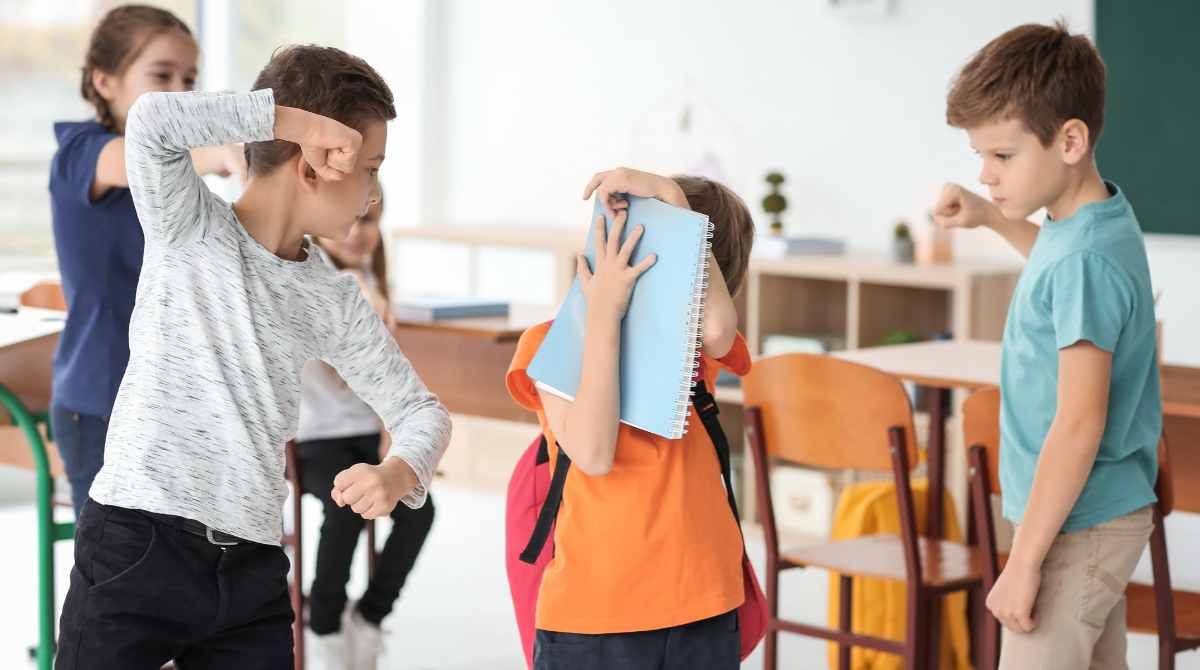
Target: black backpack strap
543, 453
545, 520
706, 407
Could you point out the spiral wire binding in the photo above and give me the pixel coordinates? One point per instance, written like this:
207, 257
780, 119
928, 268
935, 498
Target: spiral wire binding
695, 319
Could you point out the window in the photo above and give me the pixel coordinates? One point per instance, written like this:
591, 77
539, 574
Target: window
42, 46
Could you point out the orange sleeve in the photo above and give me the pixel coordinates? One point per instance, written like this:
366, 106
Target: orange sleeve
520, 386
737, 360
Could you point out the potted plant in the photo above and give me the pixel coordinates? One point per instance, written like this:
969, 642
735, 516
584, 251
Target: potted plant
902, 243
774, 203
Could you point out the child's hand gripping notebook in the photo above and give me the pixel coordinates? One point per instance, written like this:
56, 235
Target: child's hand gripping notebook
660, 335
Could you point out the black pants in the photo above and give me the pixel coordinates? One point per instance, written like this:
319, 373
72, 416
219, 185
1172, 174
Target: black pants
320, 462
144, 592
710, 644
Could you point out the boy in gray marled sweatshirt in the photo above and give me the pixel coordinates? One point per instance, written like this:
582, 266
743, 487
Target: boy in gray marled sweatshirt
177, 551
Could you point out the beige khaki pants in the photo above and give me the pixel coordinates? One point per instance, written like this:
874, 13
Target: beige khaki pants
1080, 607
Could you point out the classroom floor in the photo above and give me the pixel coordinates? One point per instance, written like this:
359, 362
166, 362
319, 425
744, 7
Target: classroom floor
454, 613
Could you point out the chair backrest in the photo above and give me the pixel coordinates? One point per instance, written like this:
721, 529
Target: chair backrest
981, 427
821, 411
1165, 487
46, 295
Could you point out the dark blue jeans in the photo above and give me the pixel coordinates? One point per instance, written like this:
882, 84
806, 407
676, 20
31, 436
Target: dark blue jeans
710, 644
80, 442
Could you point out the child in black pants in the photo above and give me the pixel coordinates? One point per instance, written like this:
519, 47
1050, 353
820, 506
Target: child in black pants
336, 431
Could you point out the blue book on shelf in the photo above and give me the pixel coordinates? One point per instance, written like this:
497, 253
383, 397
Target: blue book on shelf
660, 335
436, 309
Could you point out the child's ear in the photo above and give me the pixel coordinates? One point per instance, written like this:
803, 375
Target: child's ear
1075, 141
306, 177
104, 83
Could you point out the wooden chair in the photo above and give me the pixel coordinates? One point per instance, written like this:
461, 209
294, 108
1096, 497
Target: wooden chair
1172, 615
981, 430
292, 540
46, 295
1158, 609
823, 412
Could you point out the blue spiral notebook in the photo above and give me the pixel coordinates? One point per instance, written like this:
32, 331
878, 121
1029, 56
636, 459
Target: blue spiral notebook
660, 335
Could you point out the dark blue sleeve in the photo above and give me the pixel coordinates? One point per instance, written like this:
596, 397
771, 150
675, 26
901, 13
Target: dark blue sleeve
74, 164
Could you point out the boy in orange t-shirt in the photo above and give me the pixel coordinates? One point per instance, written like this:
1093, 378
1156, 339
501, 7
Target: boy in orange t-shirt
647, 565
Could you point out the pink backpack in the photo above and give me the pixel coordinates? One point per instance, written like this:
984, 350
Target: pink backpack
534, 495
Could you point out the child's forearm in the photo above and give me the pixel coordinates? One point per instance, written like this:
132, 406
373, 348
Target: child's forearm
294, 125
1021, 234
591, 421
209, 160
720, 314
1066, 460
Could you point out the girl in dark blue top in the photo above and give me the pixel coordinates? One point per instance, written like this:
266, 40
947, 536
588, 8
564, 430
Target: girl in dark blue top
134, 49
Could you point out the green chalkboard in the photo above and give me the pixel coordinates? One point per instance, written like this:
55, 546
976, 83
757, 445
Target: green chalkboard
1151, 140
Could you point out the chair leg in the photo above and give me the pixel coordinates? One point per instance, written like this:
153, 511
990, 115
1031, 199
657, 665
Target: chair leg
845, 602
1166, 654
916, 643
987, 632
297, 586
371, 553
934, 632
771, 643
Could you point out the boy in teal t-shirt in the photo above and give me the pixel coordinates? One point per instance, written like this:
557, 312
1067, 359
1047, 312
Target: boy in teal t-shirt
1081, 411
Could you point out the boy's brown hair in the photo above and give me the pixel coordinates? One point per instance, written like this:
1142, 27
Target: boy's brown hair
1042, 75
733, 227
321, 80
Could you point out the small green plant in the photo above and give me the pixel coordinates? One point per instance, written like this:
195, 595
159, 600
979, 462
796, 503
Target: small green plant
902, 231
774, 203
900, 337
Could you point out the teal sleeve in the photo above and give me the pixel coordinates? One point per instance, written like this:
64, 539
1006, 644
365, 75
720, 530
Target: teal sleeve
1090, 299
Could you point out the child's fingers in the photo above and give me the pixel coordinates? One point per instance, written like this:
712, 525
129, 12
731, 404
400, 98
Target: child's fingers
601, 241
630, 242
327, 173
595, 181
375, 511
344, 479
581, 267
949, 201
614, 235
646, 264
353, 494
336, 496
341, 160
362, 505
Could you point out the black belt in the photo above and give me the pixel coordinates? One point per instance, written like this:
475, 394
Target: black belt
214, 536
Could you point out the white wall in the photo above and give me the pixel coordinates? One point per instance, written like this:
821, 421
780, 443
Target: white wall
524, 101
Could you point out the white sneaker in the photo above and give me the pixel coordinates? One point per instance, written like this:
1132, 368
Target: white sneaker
364, 639
329, 652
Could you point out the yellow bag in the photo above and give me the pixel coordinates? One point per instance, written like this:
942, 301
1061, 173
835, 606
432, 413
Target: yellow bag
879, 606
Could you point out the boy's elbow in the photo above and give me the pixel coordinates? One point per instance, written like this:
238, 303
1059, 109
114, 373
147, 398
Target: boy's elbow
144, 107
595, 467
1087, 428
718, 337
591, 458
